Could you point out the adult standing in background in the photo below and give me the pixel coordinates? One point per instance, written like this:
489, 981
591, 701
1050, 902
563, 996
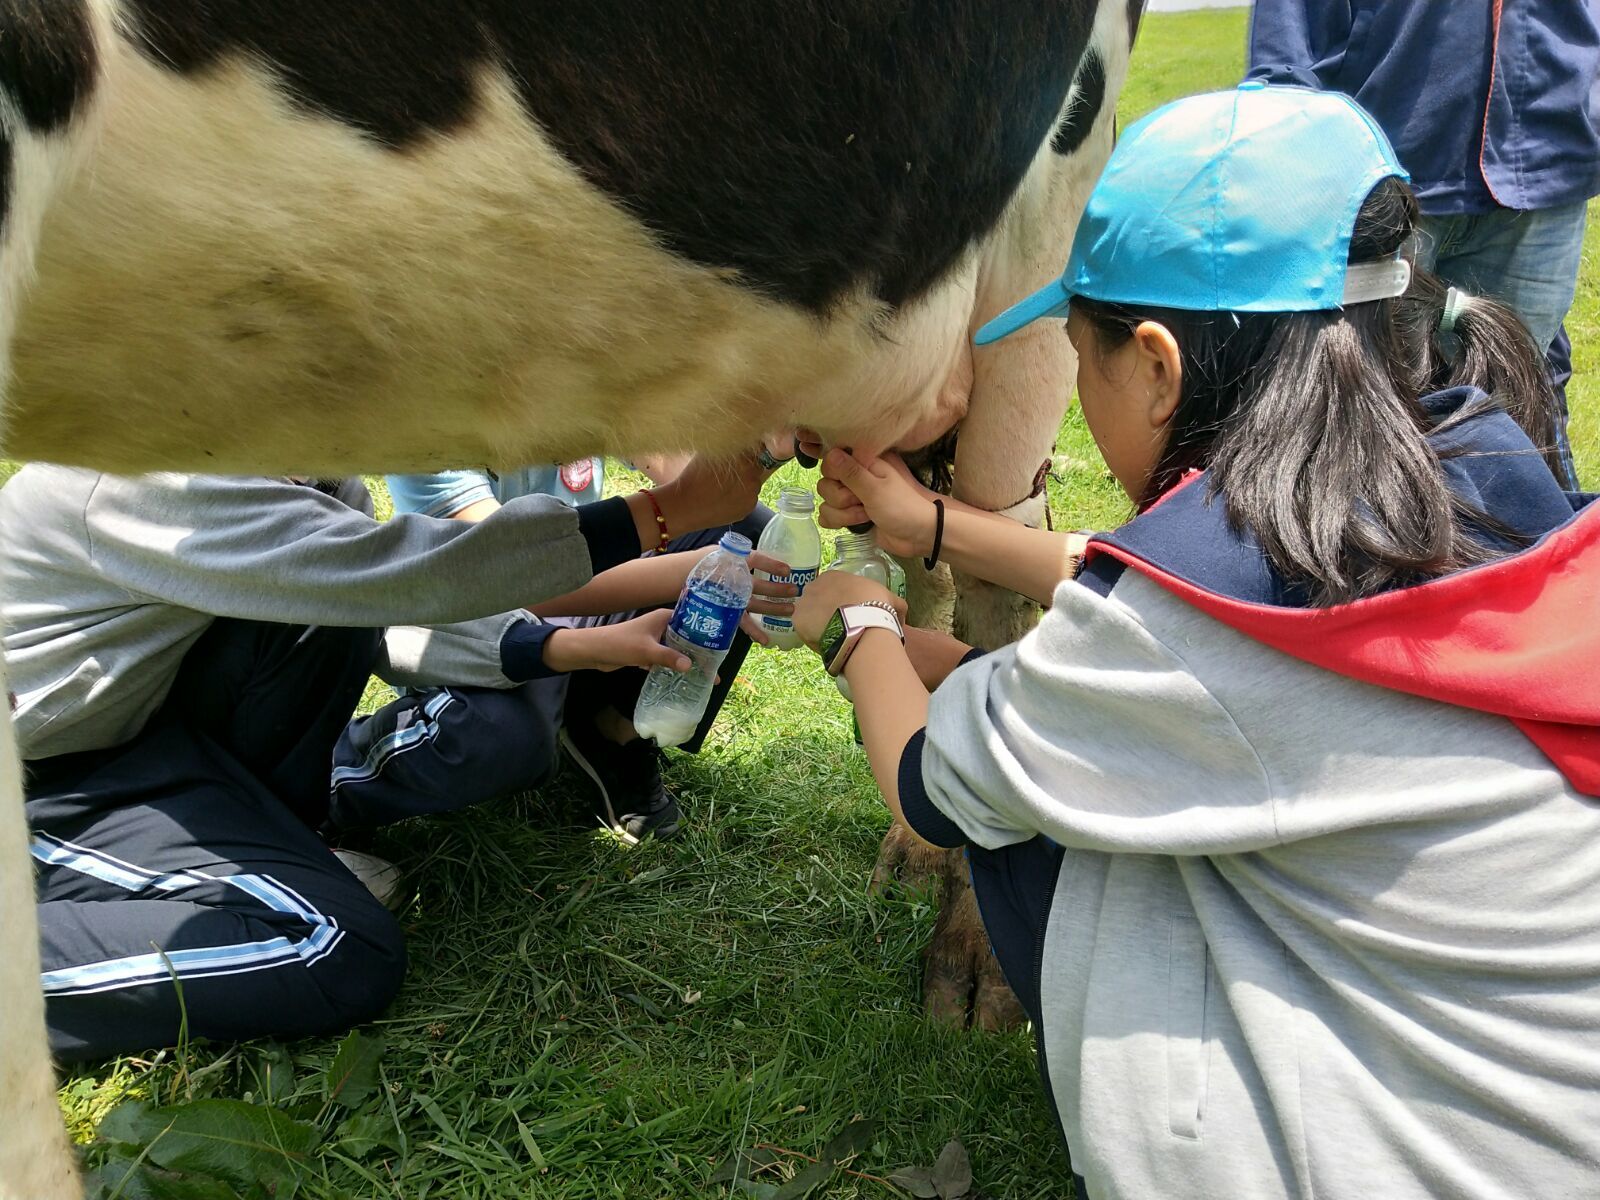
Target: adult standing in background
1492, 105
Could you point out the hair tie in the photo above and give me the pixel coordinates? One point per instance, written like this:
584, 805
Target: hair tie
932, 560
1455, 303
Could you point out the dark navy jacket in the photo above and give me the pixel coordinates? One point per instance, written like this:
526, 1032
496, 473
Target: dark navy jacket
1488, 102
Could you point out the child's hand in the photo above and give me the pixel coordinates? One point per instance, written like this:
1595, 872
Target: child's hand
833, 590
880, 490
769, 596
755, 631
635, 643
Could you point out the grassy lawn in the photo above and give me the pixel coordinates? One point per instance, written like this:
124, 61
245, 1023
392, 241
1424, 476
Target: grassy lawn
583, 1020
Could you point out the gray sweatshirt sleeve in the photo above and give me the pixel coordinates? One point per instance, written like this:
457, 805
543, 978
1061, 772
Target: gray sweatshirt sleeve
268, 550
1094, 733
463, 654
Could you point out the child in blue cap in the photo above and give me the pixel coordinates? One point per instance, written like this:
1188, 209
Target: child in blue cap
1283, 821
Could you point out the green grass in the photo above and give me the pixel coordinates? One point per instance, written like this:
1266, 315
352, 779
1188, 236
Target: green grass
1179, 54
545, 1044
1583, 324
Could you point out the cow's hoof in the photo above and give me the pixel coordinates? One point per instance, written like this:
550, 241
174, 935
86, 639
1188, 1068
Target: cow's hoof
962, 984
906, 860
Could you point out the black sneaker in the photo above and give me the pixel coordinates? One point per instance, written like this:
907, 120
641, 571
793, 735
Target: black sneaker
633, 802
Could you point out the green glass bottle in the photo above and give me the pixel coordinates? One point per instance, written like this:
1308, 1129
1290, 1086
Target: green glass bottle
859, 554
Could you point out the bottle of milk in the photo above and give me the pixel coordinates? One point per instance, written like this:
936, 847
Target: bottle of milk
791, 537
713, 602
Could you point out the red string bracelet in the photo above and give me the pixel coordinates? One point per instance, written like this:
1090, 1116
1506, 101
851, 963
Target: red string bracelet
661, 519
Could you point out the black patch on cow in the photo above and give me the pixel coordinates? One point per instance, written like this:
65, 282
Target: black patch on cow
1086, 105
807, 146
1135, 16
47, 59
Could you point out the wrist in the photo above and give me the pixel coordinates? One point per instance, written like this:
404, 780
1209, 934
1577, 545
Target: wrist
680, 510
869, 657
872, 643
849, 625
561, 651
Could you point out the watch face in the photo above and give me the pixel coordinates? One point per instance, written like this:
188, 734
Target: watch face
832, 637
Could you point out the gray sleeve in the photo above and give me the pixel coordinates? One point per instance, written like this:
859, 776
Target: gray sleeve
1094, 733
269, 550
464, 654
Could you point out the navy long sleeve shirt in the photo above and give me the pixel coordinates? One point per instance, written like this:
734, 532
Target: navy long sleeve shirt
1489, 103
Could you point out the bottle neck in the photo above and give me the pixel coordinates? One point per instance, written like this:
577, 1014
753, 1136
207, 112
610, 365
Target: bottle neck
853, 546
796, 502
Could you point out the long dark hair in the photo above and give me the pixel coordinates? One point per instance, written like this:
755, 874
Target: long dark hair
1310, 423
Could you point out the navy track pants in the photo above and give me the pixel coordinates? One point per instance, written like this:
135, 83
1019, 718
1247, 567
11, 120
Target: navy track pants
179, 873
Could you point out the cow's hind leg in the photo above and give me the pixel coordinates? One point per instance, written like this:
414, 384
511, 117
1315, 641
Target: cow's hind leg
35, 1161
48, 74
961, 978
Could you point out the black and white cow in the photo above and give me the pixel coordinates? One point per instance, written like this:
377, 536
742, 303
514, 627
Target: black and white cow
333, 235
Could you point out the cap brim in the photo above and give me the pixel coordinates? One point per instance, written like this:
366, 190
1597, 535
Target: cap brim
1052, 300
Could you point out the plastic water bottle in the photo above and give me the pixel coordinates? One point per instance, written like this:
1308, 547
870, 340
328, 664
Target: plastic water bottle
792, 537
714, 599
858, 554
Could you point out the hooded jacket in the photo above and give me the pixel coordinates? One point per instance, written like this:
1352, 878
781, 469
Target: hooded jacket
1326, 913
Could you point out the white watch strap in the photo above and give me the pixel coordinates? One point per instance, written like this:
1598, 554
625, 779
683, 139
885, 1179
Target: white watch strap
858, 617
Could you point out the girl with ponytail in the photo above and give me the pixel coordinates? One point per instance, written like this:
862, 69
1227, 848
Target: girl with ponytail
1283, 823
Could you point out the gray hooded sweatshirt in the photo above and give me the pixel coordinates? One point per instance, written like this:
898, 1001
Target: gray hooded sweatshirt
1309, 937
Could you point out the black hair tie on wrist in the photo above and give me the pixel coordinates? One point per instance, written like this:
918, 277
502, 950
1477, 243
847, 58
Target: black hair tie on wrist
932, 560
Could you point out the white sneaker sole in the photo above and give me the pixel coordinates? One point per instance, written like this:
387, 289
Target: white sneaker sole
378, 875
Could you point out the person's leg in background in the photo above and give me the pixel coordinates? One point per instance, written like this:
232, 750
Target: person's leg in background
177, 893
1559, 357
1527, 260
631, 796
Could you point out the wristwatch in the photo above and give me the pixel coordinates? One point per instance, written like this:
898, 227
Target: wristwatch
845, 627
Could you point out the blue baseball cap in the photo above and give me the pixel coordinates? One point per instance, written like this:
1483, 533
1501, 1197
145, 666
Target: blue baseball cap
1237, 201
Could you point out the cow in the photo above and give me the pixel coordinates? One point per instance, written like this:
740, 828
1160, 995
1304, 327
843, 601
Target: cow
324, 236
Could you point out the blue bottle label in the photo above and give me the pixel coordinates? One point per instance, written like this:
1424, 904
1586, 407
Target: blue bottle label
709, 625
799, 579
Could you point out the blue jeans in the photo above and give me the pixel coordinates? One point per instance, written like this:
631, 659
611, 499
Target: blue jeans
1526, 260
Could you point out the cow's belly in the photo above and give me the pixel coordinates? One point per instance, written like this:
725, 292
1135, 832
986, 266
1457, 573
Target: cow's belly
231, 285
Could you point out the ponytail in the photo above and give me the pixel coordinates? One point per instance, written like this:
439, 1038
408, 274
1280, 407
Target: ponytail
1483, 344
1311, 425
